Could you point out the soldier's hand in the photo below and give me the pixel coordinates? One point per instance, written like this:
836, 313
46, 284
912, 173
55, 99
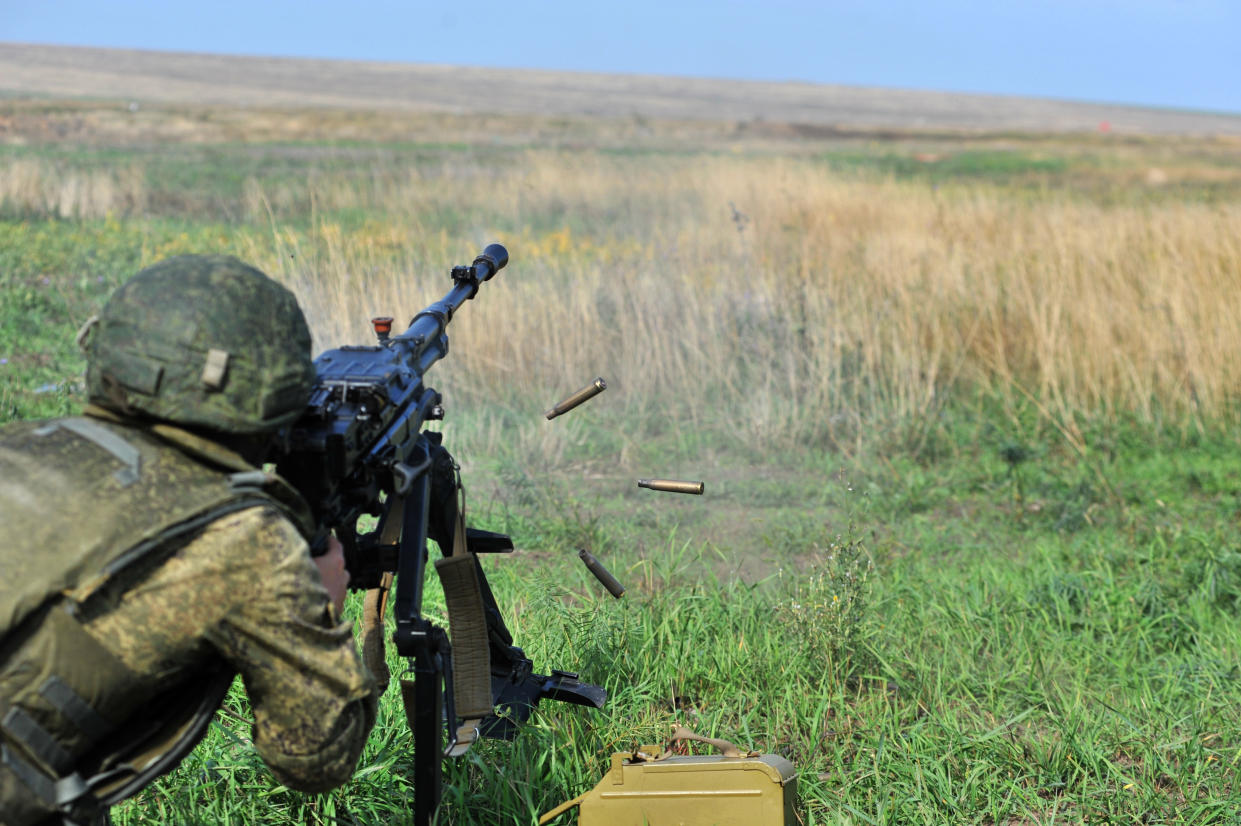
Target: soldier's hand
335, 575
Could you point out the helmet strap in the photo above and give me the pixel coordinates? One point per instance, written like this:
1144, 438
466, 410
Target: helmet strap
85, 330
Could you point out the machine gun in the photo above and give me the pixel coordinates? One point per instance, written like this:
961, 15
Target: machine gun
360, 452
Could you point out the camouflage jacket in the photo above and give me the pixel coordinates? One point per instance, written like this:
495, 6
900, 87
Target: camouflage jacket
130, 603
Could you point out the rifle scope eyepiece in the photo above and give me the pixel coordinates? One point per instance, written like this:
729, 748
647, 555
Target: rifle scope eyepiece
495, 257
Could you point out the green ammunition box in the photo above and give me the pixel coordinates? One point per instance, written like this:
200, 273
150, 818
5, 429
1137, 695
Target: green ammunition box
707, 790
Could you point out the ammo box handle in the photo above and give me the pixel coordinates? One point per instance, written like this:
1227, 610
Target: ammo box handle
562, 808
722, 746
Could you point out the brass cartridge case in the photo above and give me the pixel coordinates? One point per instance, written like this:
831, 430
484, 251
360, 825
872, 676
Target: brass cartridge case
601, 573
673, 486
585, 394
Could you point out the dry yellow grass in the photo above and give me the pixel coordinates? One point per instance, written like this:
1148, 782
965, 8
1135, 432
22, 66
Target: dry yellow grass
791, 301
37, 187
751, 286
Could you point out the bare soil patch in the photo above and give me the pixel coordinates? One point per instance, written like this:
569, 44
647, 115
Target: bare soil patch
168, 77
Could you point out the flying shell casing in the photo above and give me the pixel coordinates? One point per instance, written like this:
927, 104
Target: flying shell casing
673, 486
601, 573
585, 394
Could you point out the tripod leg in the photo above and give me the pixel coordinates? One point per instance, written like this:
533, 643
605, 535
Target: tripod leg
423, 697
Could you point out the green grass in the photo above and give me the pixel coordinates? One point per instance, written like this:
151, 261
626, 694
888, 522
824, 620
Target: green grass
952, 662
53, 276
962, 619
1090, 172
989, 165
211, 180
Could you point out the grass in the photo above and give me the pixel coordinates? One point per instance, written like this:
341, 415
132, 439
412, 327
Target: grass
928, 667
965, 410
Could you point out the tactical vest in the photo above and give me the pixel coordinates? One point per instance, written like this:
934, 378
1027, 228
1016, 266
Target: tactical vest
81, 501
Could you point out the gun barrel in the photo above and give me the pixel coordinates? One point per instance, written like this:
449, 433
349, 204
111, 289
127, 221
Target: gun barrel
585, 394
424, 338
673, 486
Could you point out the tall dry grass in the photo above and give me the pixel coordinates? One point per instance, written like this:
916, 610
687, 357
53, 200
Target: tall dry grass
788, 302
763, 296
31, 186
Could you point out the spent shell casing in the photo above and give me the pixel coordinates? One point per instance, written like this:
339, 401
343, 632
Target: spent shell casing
673, 486
601, 573
585, 394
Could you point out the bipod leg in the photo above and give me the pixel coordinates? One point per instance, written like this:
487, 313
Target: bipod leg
428, 764
428, 651
424, 701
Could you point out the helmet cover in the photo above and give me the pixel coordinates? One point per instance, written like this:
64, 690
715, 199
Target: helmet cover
205, 341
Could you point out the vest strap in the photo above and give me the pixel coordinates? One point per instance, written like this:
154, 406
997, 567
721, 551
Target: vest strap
248, 480
76, 710
122, 450
43, 786
70, 795
24, 729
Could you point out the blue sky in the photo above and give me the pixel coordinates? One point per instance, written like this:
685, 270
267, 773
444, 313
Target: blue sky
1178, 53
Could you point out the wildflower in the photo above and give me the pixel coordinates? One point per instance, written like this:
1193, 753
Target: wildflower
4, 361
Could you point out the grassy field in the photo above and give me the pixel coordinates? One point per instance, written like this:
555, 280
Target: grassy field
965, 407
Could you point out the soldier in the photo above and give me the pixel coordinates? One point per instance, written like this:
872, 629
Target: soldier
147, 560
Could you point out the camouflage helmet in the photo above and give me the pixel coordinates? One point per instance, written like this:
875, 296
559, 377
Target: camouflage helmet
204, 341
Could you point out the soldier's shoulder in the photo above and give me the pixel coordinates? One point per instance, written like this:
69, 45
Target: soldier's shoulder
258, 523
260, 535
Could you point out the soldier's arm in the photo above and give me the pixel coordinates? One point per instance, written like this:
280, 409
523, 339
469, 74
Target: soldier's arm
246, 589
313, 701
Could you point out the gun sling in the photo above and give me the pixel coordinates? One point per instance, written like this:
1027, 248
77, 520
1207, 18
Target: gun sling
467, 622
374, 607
467, 626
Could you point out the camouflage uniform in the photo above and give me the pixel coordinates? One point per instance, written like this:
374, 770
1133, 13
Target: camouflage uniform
245, 590
144, 567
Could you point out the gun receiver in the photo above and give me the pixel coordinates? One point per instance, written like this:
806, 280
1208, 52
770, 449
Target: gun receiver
360, 450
